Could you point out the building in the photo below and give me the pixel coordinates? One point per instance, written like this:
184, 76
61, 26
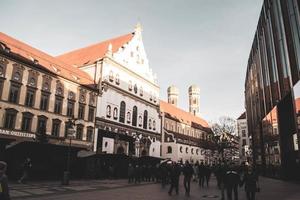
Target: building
272, 90
38, 94
127, 118
184, 135
244, 140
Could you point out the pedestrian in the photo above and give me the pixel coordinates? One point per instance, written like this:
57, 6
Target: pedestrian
232, 181
4, 190
207, 174
130, 173
196, 171
164, 174
201, 174
137, 174
250, 180
26, 170
188, 173
174, 177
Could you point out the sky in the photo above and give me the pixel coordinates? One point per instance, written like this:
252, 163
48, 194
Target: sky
202, 42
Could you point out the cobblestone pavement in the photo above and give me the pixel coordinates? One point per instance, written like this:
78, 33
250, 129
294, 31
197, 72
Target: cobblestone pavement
121, 190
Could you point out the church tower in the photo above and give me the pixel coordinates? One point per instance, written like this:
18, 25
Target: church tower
194, 100
173, 95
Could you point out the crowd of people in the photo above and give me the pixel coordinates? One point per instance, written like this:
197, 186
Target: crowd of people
229, 177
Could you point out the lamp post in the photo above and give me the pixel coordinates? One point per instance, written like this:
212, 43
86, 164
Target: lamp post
70, 134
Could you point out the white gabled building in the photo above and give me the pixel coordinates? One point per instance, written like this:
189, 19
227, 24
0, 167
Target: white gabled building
244, 140
127, 117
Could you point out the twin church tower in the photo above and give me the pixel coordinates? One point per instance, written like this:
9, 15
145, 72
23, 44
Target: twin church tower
194, 98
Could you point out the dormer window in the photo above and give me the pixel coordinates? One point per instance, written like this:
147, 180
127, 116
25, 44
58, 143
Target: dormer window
35, 61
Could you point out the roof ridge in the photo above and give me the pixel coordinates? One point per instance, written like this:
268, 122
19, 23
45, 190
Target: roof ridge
93, 45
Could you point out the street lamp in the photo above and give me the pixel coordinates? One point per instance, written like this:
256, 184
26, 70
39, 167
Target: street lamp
70, 134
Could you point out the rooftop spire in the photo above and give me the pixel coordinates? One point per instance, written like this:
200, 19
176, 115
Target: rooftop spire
138, 28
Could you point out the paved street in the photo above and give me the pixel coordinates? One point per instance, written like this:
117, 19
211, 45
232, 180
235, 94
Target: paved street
120, 190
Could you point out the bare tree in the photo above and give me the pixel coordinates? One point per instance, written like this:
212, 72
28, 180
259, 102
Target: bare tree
225, 125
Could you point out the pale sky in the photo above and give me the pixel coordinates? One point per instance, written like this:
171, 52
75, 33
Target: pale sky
202, 42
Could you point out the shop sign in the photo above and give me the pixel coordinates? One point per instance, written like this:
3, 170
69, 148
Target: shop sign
17, 133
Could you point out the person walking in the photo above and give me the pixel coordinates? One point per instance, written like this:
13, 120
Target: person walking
207, 174
232, 181
26, 169
4, 190
188, 173
174, 177
201, 174
196, 171
250, 180
130, 173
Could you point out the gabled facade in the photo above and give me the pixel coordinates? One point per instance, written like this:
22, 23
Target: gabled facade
244, 140
127, 118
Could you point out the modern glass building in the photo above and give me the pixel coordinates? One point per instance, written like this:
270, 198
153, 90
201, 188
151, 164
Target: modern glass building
272, 90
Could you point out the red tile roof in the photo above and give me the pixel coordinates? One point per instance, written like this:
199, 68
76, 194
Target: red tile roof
46, 61
181, 115
92, 53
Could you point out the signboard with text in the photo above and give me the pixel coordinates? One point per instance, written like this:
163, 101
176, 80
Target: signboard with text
16, 133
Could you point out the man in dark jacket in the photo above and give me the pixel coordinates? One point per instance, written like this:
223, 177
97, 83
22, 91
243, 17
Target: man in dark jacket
174, 177
232, 181
201, 175
188, 173
4, 191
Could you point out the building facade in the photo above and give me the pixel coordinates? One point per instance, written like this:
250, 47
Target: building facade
127, 119
244, 140
38, 94
185, 137
272, 89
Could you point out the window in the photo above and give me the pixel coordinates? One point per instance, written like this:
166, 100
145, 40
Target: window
244, 133
14, 93
10, 118
180, 149
128, 117
150, 124
1, 87
42, 124
89, 134
134, 116
122, 112
154, 125
111, 76
108, 111
91, 114
44, 101
70, 108
30, 96
192, 150
169, 149
186, 150
244, 142
81, 111
58, 105
141, 91
79, 132
140, 121
55, 127
130, 85
26, 121
117, 79
115, 113
135, 88
17, 76
145, 119
197, 151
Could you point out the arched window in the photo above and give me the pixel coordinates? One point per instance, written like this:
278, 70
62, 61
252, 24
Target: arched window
115, 113
122, 111
17, 76
128, 117
197, 151
192, 150
145, 119
108, 111
186, 150
130, 85
169, 149
150, 124
141, 91
135, 88
134, 116
180, 149
154, 125
140, 121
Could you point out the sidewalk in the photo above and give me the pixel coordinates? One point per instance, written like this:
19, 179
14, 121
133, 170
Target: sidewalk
38, 189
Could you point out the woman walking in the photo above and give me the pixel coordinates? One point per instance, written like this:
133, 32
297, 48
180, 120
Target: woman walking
251, 183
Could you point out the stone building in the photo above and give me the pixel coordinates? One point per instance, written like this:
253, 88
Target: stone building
184, 135
127, 118
244, 140
38, 94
